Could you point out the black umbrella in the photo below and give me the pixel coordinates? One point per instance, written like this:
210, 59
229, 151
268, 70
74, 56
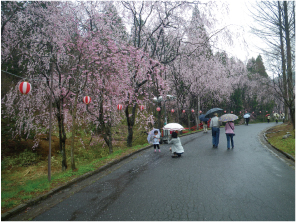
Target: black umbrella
211, 112
203, 118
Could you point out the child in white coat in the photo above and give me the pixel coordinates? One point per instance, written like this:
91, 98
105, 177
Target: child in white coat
156, 137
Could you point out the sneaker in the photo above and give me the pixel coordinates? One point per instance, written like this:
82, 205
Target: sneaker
158, 150
154, 151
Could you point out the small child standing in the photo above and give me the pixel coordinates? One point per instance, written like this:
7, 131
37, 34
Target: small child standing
156, 140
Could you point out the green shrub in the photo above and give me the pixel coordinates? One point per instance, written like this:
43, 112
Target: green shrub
23, 159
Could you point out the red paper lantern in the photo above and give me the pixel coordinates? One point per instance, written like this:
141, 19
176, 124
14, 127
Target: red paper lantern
86, 100
192, 110
25, 87
183, 111
172, 110
158, 109
119, 107
142, 107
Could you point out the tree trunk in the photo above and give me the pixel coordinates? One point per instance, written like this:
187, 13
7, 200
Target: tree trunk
285, 94
159, 117
289, 66
198, 114
130, 124
108, 138
189, 120
73, 131
62, 136
130, 136
106, 129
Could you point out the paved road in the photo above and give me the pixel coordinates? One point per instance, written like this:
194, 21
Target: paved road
247, 183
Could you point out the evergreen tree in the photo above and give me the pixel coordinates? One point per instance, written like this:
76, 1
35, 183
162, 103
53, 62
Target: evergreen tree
260, 68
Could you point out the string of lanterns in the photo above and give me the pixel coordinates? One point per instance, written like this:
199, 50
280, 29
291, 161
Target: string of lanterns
26, 87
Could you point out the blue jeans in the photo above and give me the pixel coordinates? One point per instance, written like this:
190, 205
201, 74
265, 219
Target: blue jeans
229, 137
215, 135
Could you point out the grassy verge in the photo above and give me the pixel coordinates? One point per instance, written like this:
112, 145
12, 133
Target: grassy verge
24, 183
275, 138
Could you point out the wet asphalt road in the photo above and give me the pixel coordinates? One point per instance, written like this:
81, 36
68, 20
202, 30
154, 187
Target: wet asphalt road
246, 183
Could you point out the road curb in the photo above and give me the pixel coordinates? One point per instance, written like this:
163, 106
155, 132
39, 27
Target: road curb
284, 153
23, 206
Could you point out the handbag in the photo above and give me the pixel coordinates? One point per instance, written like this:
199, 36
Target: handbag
231, 128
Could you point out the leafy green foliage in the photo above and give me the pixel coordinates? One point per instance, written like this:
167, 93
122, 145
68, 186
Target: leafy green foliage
237, 100
23, 159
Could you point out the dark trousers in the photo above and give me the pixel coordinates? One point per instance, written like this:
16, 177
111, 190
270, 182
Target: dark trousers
179, 154
229, 138
247, 120
156, 145
215, 135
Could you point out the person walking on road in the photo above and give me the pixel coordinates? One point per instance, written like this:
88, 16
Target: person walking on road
215, 126
156, 137
247, 121
205, 126
177, 148
229, 131
268, 118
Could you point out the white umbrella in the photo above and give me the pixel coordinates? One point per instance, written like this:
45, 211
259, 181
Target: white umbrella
247, 116
276, 115
173, 126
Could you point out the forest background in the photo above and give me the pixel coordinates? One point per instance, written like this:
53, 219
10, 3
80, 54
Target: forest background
123, 53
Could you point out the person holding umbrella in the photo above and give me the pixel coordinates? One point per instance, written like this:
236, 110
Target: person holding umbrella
229, 131
156, 137
153, 138
268, 117
247, 118
205, 122
229, 127
215, 126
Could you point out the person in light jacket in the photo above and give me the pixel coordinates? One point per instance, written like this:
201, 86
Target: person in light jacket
215, 126
229, 131
177, 148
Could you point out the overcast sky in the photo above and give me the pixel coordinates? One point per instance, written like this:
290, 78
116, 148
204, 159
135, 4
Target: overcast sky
240, 17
